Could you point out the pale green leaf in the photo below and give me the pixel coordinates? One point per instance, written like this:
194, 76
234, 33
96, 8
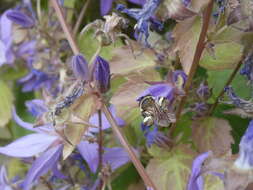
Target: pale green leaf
6, 100
213, 183
74, 130
226, 34
215, 135
88, 45
173, 171
225, 56
217, 80
124, 61
186, 36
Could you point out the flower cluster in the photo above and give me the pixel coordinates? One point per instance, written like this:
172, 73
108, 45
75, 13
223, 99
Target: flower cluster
201, 108
144, 19
78, 105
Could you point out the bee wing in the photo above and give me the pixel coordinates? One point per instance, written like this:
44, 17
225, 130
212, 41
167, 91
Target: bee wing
162, 117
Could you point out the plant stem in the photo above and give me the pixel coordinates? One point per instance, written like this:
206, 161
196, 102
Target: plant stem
80, 17
148, 182
38, 7
199, 49
230, 79
100, 140
100, 145
65, 27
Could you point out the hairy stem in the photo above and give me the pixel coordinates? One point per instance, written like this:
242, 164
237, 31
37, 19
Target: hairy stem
100, 140
199, 49
148, 182
80, 17
100, 145
230, 79
65, 27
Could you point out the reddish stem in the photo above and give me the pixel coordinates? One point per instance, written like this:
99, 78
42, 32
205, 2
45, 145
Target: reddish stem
65, 27
199, 49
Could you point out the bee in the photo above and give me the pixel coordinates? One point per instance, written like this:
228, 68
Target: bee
156, 111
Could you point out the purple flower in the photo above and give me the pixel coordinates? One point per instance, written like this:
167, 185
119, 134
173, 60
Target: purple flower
36, 107
20, 18
138, 2
247, 69
105, 123
143, 17
159, 90
245, 159
101, 74
42, 165
47, 144
88, 150
155, 137
200, 109
27, 50
6, 54
115, 157
179, 78
4, 182
44, 142
186, 2
203, 91
168, 89
106, 5
80, 67
35, 80
237, 101
196, 181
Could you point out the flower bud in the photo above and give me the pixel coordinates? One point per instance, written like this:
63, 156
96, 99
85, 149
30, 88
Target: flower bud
20, 18
179, 78
203, 91
80, 67
101, 74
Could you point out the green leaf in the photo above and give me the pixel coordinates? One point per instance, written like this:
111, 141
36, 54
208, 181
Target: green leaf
124, 62
12, 73
186, 35
226, 34
217, 80
69, 3
88, 45
215, 135
172, 171
16, 168
158, 152
6, 102
124, 179
183, 128
225, 56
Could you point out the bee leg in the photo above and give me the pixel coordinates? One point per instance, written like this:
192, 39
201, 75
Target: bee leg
148, 121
